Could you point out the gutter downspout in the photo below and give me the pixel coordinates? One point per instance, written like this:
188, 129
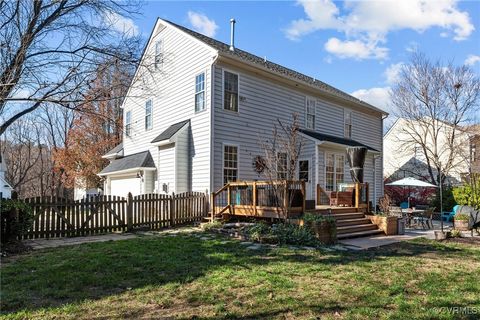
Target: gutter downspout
212, 123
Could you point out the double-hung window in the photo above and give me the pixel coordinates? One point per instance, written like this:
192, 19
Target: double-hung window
347, 119
310, 113
282, 165
230, 163
159, 55
200, 92
334, 171
128, 123
230, 91
148, 115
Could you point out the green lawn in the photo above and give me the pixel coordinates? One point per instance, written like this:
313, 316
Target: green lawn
185, 277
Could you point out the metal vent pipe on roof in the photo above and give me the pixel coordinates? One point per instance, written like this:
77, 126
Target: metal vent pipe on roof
232, 34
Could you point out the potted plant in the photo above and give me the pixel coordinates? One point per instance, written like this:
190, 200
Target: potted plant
461, 221
324, 227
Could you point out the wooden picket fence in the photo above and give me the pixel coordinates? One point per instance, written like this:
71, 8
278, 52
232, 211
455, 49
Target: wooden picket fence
55, 217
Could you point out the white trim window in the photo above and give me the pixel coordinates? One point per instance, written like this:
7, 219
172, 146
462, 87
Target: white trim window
200, 92
159, 55
282, 165
310, 113
334, 171
230, 163
230, 91
347, 120
148, 115
128, 123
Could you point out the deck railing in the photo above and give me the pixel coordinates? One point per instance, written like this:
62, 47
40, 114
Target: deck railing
360, 195
271, 199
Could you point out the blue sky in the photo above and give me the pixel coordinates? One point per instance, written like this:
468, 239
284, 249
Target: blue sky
355, 46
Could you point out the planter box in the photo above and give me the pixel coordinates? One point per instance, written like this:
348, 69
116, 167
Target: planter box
389, 225
461, 225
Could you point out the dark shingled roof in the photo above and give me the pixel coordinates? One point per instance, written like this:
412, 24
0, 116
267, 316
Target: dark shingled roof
334, 139
170, 131
137, 160
115, 150
224, 49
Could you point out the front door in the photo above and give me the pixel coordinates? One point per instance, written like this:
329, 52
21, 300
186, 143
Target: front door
304, 174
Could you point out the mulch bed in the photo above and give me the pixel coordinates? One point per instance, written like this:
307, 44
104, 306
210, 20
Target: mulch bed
14, 248
474, 240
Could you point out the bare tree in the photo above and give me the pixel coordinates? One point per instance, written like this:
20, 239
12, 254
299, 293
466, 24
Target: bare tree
50, 51
436, 101
281, 153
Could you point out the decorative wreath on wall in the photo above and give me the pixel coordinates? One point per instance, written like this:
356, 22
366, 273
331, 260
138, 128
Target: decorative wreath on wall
259, 164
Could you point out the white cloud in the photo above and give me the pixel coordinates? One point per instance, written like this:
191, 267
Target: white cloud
378, 97
202, 23
371, 21
472, 59
355, 49
392, 73
121, 24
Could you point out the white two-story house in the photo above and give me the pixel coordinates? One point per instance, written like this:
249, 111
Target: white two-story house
197, 121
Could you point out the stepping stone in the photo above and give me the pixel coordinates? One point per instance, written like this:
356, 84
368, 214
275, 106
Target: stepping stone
254, 247
205, 238
293, 248
339, 248
309, 248
246, 243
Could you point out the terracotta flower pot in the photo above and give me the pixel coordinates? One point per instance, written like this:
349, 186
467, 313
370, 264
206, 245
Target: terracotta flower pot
461, 225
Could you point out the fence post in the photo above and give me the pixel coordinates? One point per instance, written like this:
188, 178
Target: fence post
172, 210
129, 212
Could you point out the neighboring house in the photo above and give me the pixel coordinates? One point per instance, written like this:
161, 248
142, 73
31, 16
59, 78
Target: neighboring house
475, 150
5, 188
80, 191
403, 157
212, 104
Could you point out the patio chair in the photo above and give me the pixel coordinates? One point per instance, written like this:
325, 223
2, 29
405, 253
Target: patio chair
404, 205
425, 219
448, 216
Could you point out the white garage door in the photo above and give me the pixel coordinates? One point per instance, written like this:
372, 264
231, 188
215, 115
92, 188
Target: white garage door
122, 186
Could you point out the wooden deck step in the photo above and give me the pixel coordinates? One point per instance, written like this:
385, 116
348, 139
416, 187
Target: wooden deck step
356, 228
351, 222
349, 215
359, 234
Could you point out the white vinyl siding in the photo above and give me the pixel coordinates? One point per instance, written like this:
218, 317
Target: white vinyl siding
200, 92
172, 94
148, 115
128, 123
282, 165
347, 120
230, 163
310, 110
230, 91
166, 169
159, 54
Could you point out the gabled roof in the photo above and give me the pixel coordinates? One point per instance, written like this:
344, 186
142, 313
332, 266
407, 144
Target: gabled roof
139, 160
170, 131
115, 151
334, 139
224, 49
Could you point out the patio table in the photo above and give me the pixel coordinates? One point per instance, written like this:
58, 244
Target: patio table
411, 214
